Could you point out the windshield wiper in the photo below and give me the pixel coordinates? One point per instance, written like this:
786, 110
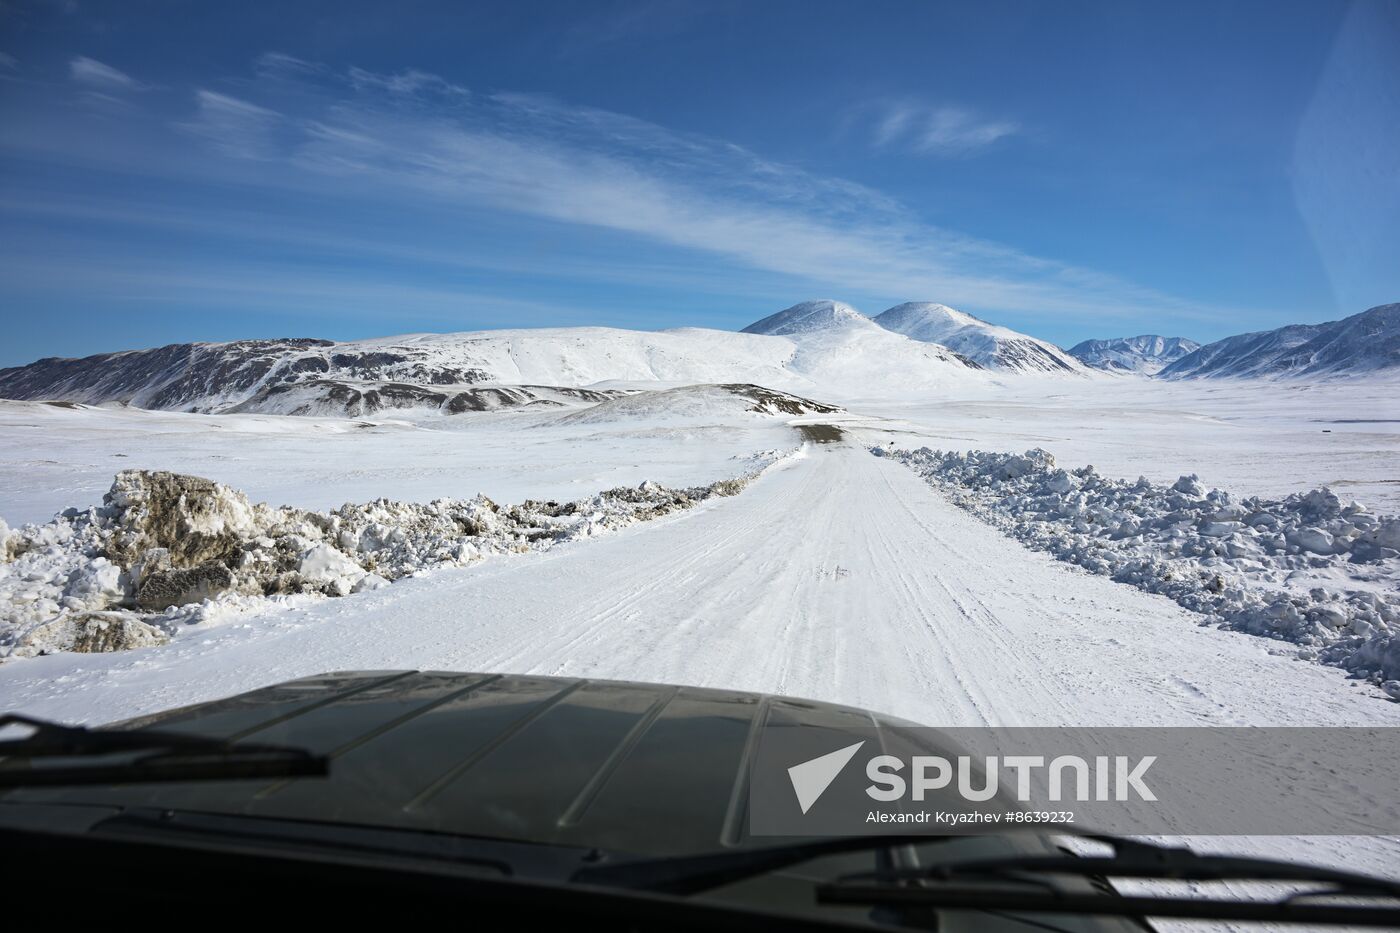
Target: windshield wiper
168, 756
688, 874
1021, 883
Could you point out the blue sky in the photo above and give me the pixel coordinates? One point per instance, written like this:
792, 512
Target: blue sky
173, 171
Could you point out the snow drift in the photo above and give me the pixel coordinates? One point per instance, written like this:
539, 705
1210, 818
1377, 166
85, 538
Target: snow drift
166, 549
1309, 569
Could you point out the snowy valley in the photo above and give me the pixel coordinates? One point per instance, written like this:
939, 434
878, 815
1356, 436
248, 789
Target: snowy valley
434, 430
917, 512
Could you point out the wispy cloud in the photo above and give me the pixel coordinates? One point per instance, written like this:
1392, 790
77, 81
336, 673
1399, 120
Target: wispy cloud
8, 61
410, 83
94, 74
534, 155
434, 250
279, 64
934, 130
268, 285
719, 165
233, 126
411, 138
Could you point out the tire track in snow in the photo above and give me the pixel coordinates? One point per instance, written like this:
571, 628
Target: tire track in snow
671, 570
938, 618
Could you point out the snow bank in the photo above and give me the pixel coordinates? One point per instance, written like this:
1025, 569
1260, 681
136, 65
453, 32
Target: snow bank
165, 550
1310, 569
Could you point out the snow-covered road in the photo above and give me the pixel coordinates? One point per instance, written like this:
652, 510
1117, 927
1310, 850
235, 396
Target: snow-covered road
838, 576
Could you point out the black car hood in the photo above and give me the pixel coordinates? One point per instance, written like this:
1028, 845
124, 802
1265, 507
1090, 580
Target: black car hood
642, 768
628, 768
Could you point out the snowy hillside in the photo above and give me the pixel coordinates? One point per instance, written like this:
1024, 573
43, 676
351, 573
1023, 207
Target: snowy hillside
838, 347
810, 317
1146, 354
331, 398
986, 344
221, 376
833, 349
1363, 343
710, 402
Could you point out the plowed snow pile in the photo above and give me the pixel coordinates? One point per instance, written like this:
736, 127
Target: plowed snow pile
166, 550
1310, 569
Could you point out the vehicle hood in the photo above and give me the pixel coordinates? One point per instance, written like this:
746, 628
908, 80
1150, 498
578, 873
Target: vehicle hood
643, 768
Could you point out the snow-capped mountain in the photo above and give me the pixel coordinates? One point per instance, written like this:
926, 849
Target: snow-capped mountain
988, 345
835, 344
1363, 343
839, 353
810, 317
279, 376
1146, 354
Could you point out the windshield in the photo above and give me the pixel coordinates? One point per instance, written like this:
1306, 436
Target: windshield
683, 429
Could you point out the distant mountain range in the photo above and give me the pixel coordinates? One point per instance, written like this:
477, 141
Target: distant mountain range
970, 339
827, 350
1363, 343
821, 349
1145, 355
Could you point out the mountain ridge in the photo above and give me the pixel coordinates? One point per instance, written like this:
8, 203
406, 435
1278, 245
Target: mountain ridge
1145, 354
303, 375
1361, 343
814, 349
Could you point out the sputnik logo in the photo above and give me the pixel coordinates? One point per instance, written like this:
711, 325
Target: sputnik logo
811, 778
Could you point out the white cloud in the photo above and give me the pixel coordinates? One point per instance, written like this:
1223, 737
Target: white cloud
534, 156
935, 130
279, 64
721, 165
429, 248
411, 82
414, 139
235, 127
948, 129
8, 61
94, 74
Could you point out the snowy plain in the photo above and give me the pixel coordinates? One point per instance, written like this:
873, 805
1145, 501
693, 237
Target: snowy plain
57, 457
1252, 437
1247, 436
836, 575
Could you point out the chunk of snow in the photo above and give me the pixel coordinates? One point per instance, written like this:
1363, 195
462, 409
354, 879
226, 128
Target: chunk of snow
178, 547
1254, 565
